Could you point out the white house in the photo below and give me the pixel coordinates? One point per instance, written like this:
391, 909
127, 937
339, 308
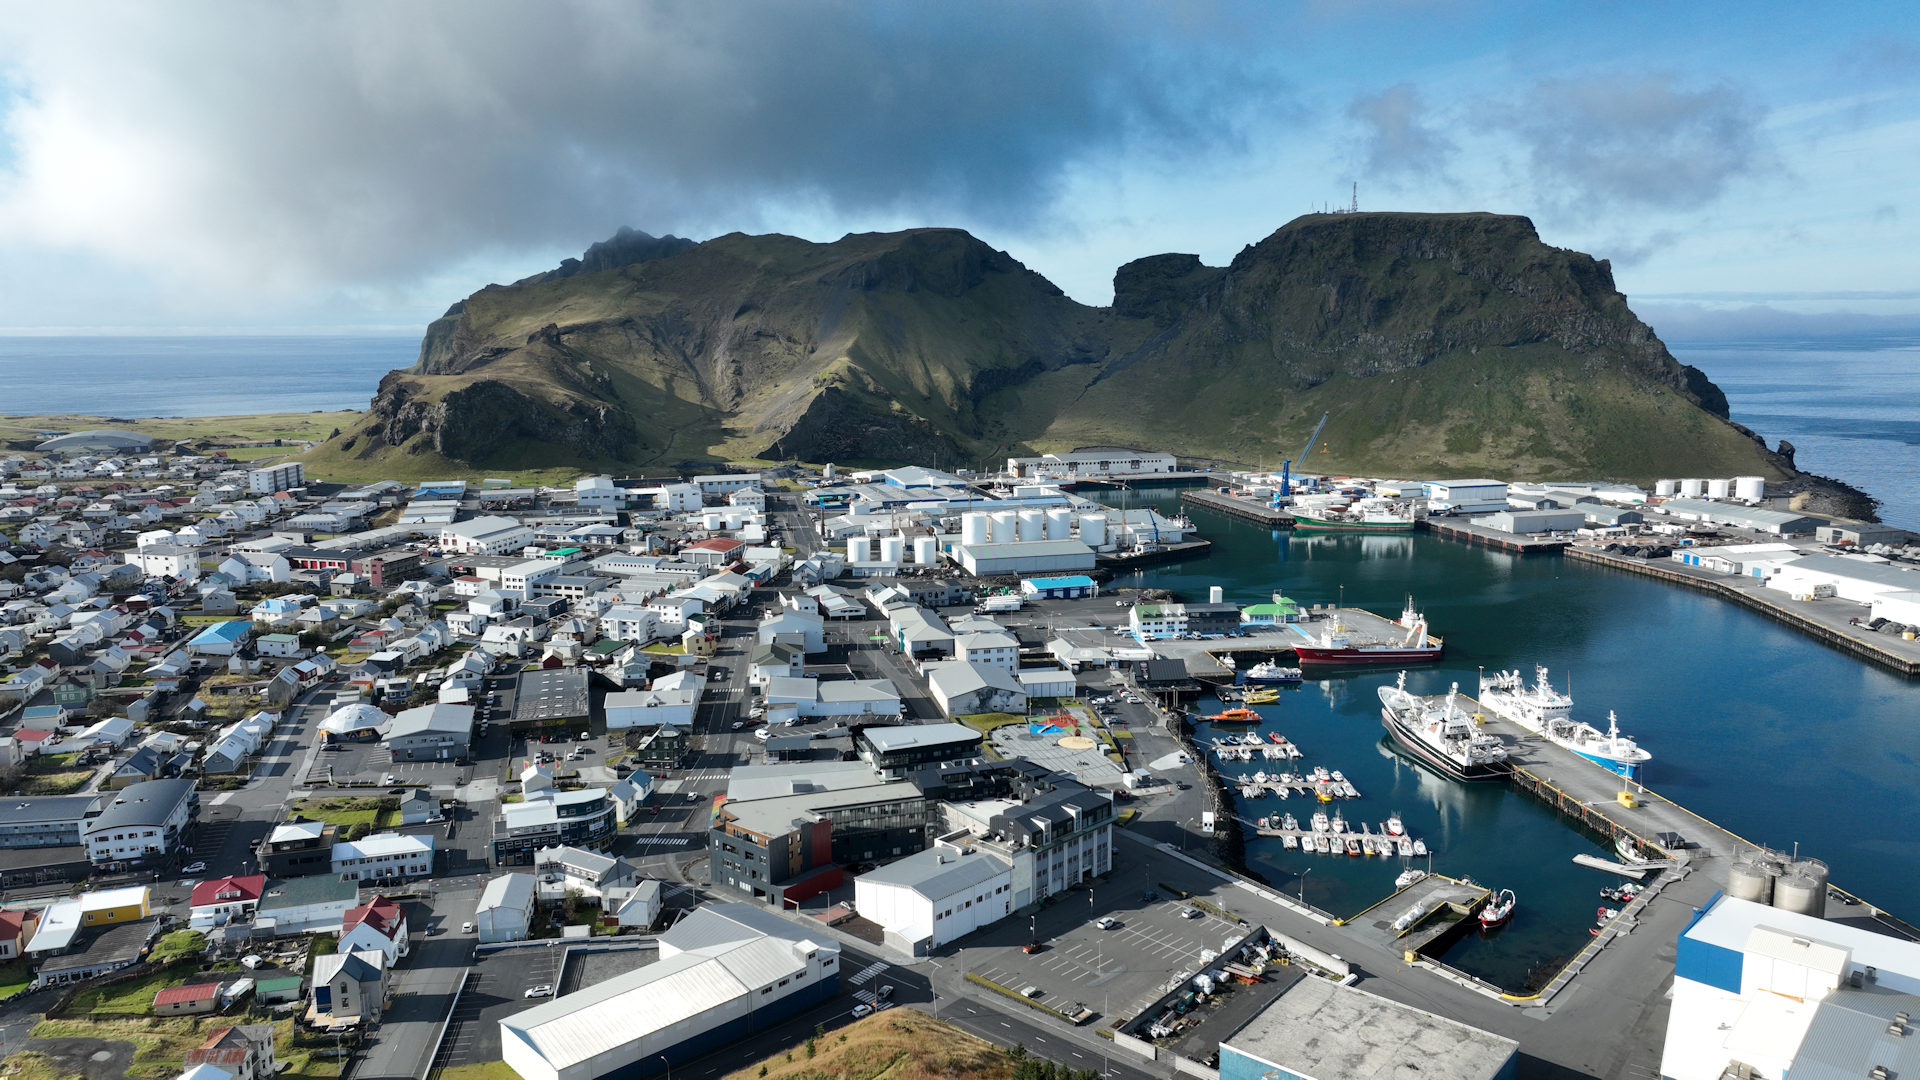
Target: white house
506, 909
648, 708
384, 857
988, 649
809, 628
963, 689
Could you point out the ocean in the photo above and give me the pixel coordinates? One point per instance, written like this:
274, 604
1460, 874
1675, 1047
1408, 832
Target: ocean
195, 376
1850, 407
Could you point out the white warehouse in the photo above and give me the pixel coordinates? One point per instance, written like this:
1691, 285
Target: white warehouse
936, 896
726, 971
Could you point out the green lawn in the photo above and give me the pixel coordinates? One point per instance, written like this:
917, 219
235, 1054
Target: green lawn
375, 813
14, 977
130, 997
485, 1070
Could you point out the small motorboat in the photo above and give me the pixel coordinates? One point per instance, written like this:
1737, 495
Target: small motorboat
1408, 877
1320, 822
1419, 847
1290, 842
1498, 910
1337, 776
1260, 697
1606, 913
1395, 827
1241, 715
1290, 823
1339, 823
1353, 845
1276, 737
1406, 848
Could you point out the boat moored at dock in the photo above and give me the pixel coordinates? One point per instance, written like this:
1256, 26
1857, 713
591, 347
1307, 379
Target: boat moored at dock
1337, 644
1441, 734
1548, 712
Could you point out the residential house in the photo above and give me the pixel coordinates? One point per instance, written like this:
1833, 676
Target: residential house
194, 1000
506, 909
244, 1052
379, 924
225, 900
384, 857
348, 987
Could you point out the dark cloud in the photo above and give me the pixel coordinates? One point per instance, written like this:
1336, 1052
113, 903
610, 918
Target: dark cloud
1396, 138
1636, 141
369, 141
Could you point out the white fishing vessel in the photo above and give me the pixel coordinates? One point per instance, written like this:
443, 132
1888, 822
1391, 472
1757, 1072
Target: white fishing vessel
1548, 712
1441, 734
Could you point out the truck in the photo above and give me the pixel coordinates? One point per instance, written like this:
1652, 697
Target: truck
990, 605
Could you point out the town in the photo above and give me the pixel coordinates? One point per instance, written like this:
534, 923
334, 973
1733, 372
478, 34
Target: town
671, 773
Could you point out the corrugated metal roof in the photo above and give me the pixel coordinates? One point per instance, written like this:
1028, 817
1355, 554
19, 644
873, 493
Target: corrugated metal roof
939, 872
600, 1018
1849, 1035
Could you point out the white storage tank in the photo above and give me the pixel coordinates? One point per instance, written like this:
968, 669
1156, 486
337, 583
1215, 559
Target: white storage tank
1693, 489
827, 473
1749, 880
1033, 525
1059, 523
926, 550
1666, 489
859, 549
1093, 530
893, 549
975, 528
1719, 489
1803, 888
1216, 595
1006, 526
1750, 488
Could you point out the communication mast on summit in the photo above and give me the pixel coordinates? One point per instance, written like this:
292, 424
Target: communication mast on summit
1354, 206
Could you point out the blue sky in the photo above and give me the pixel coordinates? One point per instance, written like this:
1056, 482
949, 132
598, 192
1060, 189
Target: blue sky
214, 166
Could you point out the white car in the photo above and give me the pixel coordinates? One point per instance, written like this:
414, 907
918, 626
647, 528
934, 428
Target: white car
543, 990
861, 1010
1105, 923
194, 868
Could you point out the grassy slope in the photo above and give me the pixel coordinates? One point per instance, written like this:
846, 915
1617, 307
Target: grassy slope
1510, 413
895, 1044
250, 428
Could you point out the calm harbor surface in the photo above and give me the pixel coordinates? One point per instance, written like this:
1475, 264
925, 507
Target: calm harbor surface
1774, 736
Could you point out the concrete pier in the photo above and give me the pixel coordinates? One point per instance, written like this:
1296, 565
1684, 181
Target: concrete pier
1246, 508
1464, 530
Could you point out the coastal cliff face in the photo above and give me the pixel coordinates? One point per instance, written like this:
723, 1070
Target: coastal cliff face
1437, 342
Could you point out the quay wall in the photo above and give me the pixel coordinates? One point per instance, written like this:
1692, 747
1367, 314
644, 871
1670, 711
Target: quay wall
1247, 509
1747, 598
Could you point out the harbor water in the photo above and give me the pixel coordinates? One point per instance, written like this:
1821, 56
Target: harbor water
1772, 735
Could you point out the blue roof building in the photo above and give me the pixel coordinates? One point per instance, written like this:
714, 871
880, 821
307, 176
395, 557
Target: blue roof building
222, 638
1069, 587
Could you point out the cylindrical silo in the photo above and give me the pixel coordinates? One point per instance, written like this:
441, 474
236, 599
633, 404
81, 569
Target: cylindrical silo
975, 527
926, 550
1750, 488
893, 549
1093, 529
1693, 489
1749, 881
1803, 888
1799, 893
1033, 525
1216, 595
860, 549
1719, 489
1006, 526
1059, 523
1666, 489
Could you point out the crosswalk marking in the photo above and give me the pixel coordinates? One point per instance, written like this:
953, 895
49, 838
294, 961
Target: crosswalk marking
860, 977
661, 841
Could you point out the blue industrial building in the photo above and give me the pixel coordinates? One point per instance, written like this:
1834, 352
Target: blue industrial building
1068, 587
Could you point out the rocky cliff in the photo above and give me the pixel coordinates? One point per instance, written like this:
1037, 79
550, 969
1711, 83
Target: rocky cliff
1437, 342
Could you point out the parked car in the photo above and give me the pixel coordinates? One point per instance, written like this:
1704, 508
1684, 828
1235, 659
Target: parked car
542, 990
1105, 923
861, 1010
194, 868
1189, 913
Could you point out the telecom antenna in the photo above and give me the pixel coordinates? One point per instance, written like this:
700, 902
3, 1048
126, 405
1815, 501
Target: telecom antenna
1354, 206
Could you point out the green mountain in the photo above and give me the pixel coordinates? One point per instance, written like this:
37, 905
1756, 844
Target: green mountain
1439, 344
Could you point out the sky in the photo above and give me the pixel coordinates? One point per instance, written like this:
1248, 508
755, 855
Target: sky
356, 167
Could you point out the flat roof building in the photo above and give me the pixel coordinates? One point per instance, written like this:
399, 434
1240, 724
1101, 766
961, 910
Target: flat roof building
1359, 1036
893, 752
549, 698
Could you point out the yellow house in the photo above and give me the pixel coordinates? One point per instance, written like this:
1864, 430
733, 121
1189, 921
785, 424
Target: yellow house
111, 906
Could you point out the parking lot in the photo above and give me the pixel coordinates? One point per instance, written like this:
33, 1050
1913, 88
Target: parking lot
497, 990
1116, 972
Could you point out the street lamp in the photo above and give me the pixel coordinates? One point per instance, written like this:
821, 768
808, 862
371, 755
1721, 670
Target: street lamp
1303, 884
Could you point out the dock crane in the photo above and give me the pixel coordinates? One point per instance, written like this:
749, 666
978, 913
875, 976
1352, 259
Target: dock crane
1286, 467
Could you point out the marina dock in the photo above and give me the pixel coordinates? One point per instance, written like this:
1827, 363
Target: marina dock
1464, 530
1245, 508
1420, 915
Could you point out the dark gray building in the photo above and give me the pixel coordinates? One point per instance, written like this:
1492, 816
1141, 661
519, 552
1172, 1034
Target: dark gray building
45, 820
550, 701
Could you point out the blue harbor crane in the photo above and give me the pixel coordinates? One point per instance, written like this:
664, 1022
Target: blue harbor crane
1286, 467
